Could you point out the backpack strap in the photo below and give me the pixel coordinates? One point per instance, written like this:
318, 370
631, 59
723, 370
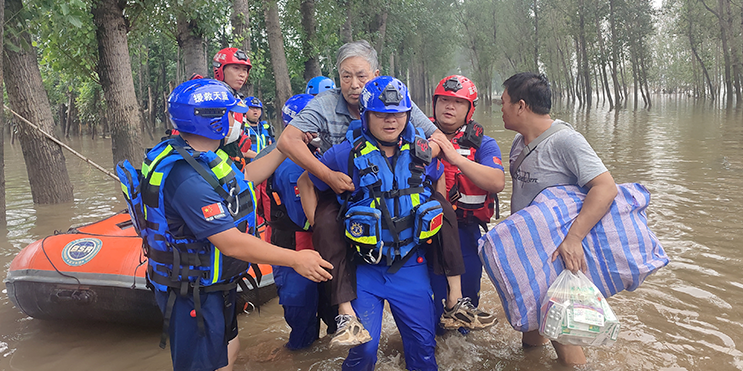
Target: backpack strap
529, 148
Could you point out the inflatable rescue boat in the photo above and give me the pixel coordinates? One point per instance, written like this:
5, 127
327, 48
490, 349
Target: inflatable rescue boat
95, 272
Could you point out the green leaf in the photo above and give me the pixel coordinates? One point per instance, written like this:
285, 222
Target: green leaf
65, 9
75, 21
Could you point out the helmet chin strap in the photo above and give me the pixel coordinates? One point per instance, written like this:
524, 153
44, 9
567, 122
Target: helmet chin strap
387, 144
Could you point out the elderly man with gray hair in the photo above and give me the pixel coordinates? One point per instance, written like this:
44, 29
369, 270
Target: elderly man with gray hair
327, 116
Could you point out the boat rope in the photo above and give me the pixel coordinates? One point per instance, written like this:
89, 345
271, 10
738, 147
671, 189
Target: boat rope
55, 140
43, 249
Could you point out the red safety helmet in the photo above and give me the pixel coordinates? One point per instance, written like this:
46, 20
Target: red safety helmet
457, 86
229, 56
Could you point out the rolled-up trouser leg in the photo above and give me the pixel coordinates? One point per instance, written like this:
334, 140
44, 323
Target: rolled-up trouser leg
329, 241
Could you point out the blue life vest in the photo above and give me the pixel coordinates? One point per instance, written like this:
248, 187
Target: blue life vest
286, 206
391, 212
181, 262
261, 135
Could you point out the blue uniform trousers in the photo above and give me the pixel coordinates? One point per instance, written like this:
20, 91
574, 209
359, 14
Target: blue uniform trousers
468, 236
409, 295
299, 297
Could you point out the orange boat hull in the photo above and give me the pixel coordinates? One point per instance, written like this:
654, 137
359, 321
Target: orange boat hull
94, 273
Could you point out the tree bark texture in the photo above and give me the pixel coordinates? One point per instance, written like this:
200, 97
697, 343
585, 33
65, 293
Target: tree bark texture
45, 162
115, 72
312, 64
584, 54
347, 28
382, 30
278, 56
241, 29
2, 129
191, 44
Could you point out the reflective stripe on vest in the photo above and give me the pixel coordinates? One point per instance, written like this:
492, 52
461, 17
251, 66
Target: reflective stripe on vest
379, 183
200, 259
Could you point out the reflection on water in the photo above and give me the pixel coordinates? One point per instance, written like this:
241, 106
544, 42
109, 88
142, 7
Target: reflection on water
685, 317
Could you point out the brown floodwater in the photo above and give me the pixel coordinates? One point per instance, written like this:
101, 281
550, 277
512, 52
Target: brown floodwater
687, 316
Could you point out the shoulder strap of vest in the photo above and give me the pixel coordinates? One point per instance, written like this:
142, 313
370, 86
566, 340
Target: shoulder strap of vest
204, 174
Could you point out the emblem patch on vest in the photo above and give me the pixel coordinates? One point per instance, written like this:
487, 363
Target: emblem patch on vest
436, 222
357, 230
81, 251
213, 211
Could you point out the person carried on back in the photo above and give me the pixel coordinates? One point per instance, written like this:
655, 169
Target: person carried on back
389, 217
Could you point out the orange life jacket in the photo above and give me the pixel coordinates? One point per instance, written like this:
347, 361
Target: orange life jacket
472, 204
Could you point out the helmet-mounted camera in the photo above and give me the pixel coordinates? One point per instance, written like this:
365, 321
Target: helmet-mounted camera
390, 95
453, 84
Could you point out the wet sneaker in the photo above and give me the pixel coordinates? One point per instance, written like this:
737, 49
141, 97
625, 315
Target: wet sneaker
350, 332
466, 315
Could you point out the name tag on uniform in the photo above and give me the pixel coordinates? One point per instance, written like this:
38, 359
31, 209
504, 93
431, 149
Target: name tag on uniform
463, 151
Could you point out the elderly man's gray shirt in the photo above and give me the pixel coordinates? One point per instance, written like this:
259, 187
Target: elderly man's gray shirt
328, 116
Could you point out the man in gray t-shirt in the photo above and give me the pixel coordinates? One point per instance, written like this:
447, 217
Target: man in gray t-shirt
563, 158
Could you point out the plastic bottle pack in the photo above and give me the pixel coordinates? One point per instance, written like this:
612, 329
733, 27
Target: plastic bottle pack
575, 312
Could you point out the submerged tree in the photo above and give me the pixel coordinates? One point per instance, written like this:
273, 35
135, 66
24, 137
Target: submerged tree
115, 72
45, 162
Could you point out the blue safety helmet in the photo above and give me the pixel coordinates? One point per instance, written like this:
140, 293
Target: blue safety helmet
293, 105
202, 107
253, 102
384, 94
319, 84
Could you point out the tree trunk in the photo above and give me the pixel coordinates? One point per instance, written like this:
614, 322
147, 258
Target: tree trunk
191, 43
115, 72
70, 112
45, 162
614, 53
536, 37
241, 30
602, 63
309, 41
734, 41
584, 53
701, 62
2, 129
382, 31
347, 29
278, 56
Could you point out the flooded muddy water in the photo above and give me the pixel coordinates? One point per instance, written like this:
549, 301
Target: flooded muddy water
688, 316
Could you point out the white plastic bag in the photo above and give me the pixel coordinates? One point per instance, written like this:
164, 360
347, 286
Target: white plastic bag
574, 312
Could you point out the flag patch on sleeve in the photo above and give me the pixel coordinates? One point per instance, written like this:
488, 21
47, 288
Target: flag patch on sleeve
213, 211
497, 161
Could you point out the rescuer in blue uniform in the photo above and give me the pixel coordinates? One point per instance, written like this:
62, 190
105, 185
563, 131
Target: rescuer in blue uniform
389, 219
260, 131
299, 296
196, 211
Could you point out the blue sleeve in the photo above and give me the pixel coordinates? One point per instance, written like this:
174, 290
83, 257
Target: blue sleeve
336, 159
489, 153
191, 202
434, 170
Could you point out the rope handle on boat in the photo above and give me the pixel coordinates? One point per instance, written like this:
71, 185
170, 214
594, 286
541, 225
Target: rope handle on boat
55, 140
